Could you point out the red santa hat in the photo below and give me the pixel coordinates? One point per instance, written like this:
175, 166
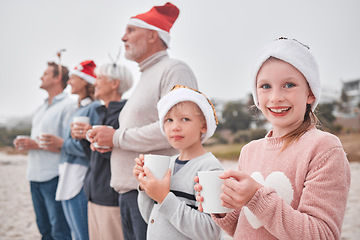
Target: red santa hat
85, 70
159, 18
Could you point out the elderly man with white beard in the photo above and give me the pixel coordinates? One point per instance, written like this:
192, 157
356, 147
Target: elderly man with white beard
146, 41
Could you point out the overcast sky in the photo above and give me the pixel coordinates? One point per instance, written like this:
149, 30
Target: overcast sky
217, 39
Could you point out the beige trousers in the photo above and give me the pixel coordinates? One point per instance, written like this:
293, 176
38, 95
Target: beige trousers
104, 222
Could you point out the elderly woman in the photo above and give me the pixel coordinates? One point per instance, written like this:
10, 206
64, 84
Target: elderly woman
104, 219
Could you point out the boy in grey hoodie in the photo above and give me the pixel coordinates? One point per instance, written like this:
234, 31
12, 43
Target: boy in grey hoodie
168, 205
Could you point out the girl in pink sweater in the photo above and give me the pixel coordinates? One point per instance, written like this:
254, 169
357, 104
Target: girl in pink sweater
294, 183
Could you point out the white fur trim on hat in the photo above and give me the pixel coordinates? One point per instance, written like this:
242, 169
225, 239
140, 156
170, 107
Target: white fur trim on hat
164, 35
182, 95
86, 77
294, 53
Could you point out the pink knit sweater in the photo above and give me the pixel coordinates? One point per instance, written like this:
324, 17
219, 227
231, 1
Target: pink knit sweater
305, 193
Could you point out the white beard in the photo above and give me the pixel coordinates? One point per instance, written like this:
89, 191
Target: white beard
136, 50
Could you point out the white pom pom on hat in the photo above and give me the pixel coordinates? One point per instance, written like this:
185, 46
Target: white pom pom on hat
183, 94
294, 53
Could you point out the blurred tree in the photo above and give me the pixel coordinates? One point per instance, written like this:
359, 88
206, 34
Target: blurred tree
343, 103
7, 136
324, 112
251, 105
344, 97
235, 116
258, 119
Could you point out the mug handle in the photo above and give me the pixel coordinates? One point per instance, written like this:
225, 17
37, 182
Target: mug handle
87, 135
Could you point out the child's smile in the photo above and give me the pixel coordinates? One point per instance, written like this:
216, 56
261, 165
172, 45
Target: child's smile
283, 93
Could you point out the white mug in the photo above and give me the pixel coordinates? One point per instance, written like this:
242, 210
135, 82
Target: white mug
42, 143
95, 143
21, 137
211, 191
157, 164
82, 119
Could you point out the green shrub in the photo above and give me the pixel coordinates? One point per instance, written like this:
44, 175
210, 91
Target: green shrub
7, 136
244, 136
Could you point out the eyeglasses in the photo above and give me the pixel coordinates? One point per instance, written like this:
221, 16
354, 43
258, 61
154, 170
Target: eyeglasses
281, 38
212, 106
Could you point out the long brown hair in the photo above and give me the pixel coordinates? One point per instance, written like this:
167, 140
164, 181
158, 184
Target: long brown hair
90, 89
310, 120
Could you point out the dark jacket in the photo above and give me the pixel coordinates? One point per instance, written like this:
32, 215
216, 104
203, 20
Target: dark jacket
97, 181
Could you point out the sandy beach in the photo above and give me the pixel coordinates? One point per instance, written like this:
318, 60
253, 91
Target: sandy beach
17, 218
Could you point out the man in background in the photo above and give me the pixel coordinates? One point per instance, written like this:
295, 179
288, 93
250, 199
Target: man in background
43, 161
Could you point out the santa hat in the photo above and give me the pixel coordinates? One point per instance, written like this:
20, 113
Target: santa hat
159, 18
85, 70
182, 94
294, 53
